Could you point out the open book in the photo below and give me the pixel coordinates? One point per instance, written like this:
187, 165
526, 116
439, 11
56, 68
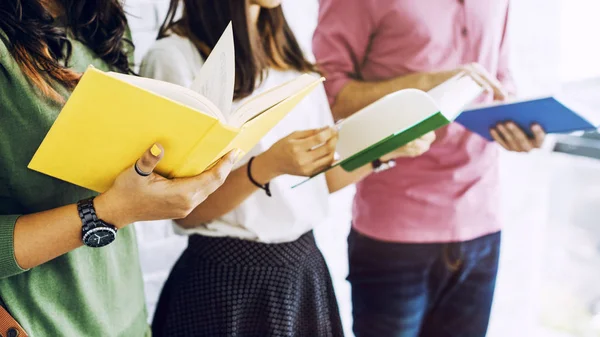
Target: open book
111, 119
576, 107
399, 118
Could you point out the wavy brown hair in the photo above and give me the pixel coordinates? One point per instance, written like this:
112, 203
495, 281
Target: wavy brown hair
40, 46
269, 44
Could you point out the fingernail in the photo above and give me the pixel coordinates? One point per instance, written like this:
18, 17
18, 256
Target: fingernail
155, 150
536, 127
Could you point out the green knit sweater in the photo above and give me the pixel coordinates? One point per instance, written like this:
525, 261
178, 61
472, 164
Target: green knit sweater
87, 292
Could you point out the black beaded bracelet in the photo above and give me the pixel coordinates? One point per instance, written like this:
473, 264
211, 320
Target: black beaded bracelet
264, 187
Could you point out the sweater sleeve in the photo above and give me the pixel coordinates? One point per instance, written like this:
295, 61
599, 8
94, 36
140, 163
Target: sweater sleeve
9, 210
8, 263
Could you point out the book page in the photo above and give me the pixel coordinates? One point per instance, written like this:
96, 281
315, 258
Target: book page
389, 115
454, 95
261, 103
216, 78
173, 92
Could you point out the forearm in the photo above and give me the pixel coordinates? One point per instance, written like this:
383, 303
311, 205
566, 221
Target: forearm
41, 237
230, 195
358, 94
337, 178
44, 236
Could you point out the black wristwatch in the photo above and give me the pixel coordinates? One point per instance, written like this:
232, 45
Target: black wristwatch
380, 166
94, 232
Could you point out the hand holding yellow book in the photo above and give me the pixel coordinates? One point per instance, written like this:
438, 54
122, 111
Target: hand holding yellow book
111, 118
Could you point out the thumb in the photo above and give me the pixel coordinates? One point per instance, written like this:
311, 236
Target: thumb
213, 178
429, 137
147, 163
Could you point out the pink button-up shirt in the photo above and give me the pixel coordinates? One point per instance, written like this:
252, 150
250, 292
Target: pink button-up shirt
451, 193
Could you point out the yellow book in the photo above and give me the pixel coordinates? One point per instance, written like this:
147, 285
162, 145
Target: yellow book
111, 119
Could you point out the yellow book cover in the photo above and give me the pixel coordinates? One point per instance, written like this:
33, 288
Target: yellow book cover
111, 119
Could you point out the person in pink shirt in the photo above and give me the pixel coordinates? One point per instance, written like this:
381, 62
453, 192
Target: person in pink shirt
425, 242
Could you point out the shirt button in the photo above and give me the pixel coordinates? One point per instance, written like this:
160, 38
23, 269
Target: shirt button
464, 31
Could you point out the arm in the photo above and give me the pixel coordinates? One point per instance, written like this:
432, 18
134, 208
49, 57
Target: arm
302, 153
231, 194
41, 237
356, 95
341, 49
338, 178
26, 240
31, 240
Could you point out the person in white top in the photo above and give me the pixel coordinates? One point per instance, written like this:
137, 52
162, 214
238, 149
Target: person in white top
252, 267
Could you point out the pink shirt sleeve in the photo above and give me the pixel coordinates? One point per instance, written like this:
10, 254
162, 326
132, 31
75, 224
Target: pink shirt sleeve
341, 40
504, 73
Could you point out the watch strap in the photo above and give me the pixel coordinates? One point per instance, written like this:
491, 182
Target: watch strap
87, 214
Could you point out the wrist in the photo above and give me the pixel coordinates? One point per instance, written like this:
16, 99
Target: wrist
112, 211
264, 169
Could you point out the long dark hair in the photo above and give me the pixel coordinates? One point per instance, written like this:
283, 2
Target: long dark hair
40, 45
269, 44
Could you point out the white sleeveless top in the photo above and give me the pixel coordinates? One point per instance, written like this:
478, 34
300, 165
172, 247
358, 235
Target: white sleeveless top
289, 213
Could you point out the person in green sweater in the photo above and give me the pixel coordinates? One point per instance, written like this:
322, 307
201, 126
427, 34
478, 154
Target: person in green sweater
55, 280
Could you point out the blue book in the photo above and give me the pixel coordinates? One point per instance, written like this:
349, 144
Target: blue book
573, 110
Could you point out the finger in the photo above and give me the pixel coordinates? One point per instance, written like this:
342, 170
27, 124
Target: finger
322, 164
409, 150
317, 139
500, 92
520, 137
508, 137
406, 150
421, 147
496, 136
210, 180
497, 88
538, 135
480, 80
302, 134
148, 161
429, 137
326, 149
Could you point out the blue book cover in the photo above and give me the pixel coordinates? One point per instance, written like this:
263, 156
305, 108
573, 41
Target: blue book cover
551, 114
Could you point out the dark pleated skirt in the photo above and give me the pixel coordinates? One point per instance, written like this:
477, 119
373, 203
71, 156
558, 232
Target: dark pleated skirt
240, 288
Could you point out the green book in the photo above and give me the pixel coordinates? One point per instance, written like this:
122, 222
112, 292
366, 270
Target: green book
399, 118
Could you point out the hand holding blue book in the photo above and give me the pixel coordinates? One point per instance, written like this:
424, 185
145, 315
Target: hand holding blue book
575, 108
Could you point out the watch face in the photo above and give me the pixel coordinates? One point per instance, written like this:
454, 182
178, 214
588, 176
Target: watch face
99, 237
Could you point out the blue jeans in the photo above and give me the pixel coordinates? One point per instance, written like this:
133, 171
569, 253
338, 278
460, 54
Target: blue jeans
422, 290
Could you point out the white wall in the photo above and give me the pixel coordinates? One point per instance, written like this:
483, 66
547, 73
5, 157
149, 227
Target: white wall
544, 53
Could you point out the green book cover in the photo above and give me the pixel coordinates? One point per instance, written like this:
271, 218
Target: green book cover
394, 142
399, 118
